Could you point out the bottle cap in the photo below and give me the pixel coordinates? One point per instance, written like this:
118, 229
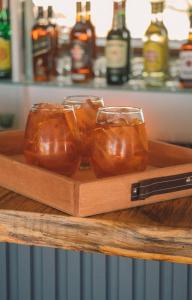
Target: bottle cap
157, 6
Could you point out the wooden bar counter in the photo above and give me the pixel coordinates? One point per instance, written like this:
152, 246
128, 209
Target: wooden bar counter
156, 232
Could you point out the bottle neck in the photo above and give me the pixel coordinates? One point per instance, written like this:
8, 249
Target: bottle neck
4, 12
88, 11
50, 16
190, 27
115, 24
122, 14
40, 16
78, 12
4, 5
157, 12
50, 12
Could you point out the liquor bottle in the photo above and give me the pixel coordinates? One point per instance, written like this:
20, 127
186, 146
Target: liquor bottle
81, 48
41, 41
155, 49
5, 42
53, 31
118, 47
91, 27
185, 70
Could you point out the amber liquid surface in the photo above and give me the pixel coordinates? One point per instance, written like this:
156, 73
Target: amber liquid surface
52, 142
119, 149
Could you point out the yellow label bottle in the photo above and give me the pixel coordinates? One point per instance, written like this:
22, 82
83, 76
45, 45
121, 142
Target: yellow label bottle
5, 55
155, 48
5, 42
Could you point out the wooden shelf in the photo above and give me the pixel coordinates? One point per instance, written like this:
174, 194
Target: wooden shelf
160, 232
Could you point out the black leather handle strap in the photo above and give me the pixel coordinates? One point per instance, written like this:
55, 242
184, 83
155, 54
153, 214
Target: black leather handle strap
161, 185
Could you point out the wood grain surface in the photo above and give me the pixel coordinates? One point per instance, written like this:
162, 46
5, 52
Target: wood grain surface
157, 232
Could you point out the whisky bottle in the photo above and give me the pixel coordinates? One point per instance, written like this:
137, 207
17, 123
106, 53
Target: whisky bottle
185, 70
41, 41
155, 49
81, 48
118, 47
53, 31
5, 42
91, 27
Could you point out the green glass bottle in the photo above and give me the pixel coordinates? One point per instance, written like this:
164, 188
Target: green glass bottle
118, 47
5, 42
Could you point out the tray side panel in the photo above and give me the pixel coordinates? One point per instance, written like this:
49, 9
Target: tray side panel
163, 154
114, 193
40, 185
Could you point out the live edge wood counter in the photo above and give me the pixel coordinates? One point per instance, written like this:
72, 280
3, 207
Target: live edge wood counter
160, 231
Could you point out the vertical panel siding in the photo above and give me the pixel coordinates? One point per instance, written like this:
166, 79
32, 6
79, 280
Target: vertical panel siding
36, 274
166, 279
29, 273
48, 274
125, 283
180, 282
24, 273
61, 275
12, 272
3, 272
152, 280
139, 280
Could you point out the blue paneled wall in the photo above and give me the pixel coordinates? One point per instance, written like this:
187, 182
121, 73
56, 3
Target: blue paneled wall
32, 273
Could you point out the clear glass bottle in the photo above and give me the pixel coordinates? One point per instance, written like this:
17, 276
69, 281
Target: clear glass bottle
81, 47
118, 47
155, 48
5, 41
185, 70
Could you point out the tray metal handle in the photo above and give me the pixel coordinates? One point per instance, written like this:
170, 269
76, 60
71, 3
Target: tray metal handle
161, 185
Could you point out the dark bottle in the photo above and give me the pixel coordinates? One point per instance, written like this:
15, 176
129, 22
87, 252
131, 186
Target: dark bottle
91, 27
53, 31
118, 47
185, 74
41, 40
82, 48
5, 42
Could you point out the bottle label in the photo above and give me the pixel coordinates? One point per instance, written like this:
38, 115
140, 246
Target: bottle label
186, 65
5, 54
116, 53
81, 53
155, 59
41, 46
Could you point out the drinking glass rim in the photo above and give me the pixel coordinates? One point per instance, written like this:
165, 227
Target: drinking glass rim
55, 107
77, 98
124, 110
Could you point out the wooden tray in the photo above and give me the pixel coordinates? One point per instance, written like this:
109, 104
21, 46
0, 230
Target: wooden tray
169, 176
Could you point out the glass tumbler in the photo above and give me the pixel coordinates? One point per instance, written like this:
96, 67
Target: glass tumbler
52, 139
85, 108
119, 143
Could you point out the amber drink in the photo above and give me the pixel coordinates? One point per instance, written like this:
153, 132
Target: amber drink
85, 108
119, 142
51, 138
